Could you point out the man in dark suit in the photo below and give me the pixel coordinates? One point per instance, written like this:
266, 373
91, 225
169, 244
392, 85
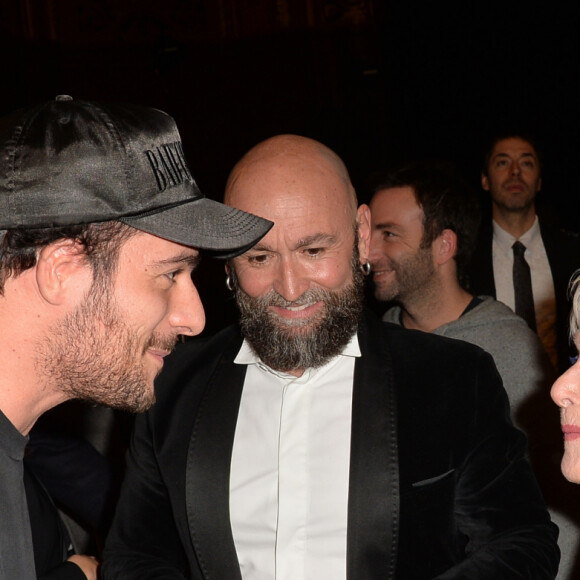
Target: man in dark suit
512, 175
314, 441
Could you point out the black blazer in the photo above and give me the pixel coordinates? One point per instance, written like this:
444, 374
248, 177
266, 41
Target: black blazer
438, 482
563, 251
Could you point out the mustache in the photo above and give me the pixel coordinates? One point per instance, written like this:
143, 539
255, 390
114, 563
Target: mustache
309, 297
161, 342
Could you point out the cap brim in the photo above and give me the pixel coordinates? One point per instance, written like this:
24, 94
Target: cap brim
204, 224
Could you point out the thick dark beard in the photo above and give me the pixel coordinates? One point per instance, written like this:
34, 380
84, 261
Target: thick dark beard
92, 355
295, 347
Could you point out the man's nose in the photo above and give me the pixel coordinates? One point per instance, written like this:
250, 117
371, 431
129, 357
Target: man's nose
187, 315
291, 280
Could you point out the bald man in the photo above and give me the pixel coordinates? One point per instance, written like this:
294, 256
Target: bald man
311, 441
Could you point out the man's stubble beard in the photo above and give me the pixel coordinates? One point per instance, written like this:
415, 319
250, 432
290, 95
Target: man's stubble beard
92, 355
413, 276
302, 344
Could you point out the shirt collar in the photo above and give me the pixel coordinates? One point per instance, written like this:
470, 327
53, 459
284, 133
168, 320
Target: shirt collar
246, 356
505, 240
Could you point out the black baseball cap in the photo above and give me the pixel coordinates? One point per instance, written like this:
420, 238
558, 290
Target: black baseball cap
68, 162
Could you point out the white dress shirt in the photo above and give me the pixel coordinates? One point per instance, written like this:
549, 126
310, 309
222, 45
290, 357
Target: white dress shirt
290, 470
542, 281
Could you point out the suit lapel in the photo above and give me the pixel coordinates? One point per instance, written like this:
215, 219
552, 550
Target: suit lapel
373, 505
208, 471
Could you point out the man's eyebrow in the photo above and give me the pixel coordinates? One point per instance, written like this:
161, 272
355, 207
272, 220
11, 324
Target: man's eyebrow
184, 258
260, 247
319, 238
507, 156
386, 225
301, 243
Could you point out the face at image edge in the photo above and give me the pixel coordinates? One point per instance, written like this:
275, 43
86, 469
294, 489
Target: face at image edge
566, 394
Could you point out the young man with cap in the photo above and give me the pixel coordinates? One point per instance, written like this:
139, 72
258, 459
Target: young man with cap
101, 224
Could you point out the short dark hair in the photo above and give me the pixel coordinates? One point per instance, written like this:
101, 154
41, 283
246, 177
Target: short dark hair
514, 134
102, 242
447, 201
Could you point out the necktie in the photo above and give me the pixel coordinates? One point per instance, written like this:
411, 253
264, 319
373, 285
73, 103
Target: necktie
523, 286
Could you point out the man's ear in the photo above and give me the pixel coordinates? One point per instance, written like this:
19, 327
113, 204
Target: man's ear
484, 182
363, 220
445, 246
62, 268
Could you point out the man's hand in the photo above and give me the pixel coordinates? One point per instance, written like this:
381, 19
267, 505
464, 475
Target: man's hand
88, 564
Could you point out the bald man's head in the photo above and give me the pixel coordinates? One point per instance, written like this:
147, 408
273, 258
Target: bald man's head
300, 159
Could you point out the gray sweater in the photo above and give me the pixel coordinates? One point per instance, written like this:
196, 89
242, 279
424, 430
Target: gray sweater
517, 351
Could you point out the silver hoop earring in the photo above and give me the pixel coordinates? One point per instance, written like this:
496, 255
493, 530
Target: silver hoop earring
229, 283
365, 268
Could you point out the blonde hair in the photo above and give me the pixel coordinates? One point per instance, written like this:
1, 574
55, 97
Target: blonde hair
574, 293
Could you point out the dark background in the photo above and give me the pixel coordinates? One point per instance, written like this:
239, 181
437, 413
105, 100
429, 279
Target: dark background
380, 82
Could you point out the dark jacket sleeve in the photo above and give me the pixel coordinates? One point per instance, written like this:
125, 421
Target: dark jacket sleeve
470, 507
486, 512
64, 571
144, 542
499, 510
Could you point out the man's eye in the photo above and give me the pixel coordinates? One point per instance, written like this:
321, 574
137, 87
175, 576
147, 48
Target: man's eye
314, 251
258, 259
